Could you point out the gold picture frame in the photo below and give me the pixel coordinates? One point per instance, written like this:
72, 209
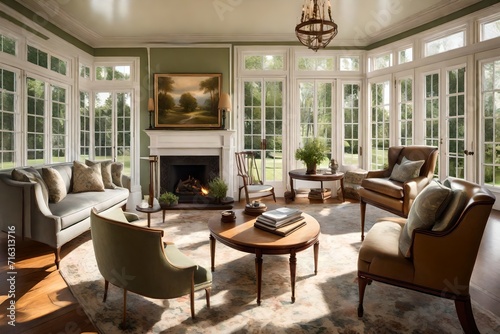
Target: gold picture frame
187, 100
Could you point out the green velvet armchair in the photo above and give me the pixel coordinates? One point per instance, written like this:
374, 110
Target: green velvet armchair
153, 269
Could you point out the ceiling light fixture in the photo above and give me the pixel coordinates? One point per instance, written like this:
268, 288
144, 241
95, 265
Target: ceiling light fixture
316, 28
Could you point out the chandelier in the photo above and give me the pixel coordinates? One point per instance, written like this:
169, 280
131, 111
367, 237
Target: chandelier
315, 30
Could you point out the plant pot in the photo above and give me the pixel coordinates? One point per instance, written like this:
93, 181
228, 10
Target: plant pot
311, 169
168, 205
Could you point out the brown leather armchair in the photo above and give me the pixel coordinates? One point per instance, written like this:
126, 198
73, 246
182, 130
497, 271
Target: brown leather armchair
440, 263
380, 190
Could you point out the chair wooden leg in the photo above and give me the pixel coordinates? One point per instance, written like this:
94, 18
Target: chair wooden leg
106, 285
362, 207
208, 291
124, 322
191, 296
362, 282
57, 253
465, 315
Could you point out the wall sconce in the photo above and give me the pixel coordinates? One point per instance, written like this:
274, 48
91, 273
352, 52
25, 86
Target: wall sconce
224, 105
151, 108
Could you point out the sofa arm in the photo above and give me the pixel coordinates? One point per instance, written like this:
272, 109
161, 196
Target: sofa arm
127, 182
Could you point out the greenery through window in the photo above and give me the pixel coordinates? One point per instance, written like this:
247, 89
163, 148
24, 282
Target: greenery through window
36, 121
7, 118
382, 61
456, 122
110, 73
350, 110
490, 103
316, 63
58, 65
8, 45
405, 107
85, 126
380, 124
38, 57
349, 63
490, 30
84, 71
405, 56
59, 121
432, 112
264, 63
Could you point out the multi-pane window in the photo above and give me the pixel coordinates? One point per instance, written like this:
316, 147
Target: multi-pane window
59, 120
103, 126
405, 107
112, 73
35, 135
490, 104
490, 30
8, 92
380, 112
432, 112
350, 111
41, 58
7, 45
264, 62
316, 63
446, 43
316, 111
456, 122
349, 63
85, 134
123, 127
58, 65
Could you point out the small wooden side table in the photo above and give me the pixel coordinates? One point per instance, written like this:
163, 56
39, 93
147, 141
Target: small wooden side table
300, 174
149, 211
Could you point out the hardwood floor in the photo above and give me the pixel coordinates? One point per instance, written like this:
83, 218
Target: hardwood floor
44, 303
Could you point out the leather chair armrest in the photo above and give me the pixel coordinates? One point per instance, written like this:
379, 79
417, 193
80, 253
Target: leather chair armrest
378, 173
411, 189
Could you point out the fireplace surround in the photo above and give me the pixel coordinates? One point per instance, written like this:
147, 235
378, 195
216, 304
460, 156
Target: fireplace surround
186, 147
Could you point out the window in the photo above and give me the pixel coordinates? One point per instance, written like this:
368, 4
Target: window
455, 97
443, 44
315, 63
112, 73
8, 45
432, 112
58, 65
264, 62
350, 110
84, 71
8, 95
490, 30
349, 63
380, 120
382, 61
85, 134
405, 107
316, 111
490, 105
405, 56
38, 57
59, 121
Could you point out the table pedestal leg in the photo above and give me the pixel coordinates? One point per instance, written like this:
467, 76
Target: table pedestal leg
342, 189
293, 269
316, 251
149, 219
212, 252
258, 269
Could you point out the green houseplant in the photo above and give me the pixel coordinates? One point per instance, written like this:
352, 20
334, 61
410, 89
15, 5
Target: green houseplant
312, 153
168, 199
217, 188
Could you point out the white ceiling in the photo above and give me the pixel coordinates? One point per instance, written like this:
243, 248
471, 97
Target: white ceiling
106, 23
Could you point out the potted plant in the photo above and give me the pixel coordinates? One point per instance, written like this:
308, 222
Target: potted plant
168, 199
312, 153
217, 188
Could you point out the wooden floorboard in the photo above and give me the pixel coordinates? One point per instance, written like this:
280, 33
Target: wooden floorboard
46, 305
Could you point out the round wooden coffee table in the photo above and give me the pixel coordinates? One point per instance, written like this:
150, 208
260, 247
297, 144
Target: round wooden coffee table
243, 236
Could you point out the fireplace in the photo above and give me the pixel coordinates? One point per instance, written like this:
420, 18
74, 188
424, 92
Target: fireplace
187, 176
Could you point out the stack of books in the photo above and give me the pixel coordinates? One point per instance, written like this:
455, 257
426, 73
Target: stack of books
320, 193
281, 221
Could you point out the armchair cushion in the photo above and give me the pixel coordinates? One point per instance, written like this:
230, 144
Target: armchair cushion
427, 208
407, 170
384, 186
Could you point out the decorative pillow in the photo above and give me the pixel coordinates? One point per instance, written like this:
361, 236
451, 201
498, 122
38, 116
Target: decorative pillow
425, 211
116, 173
407, 170
55, 184
31, 175
87, 178
452, 212
105, 172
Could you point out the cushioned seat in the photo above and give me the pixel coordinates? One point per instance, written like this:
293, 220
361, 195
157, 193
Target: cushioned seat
434, 250
409, 171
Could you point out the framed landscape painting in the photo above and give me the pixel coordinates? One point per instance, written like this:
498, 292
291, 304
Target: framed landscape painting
187, 100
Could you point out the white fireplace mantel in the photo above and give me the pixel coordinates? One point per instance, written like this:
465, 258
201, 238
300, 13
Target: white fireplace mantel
197, 142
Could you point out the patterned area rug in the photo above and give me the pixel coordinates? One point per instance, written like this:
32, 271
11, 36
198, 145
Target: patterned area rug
325, 303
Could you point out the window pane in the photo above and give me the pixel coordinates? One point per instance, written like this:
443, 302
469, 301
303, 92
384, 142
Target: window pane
316, 63
490, 102
382, 61
7, 117
8, 45
36, 121
490, 30
351, 115
447, 43
380, 124
349, 63
405, 56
